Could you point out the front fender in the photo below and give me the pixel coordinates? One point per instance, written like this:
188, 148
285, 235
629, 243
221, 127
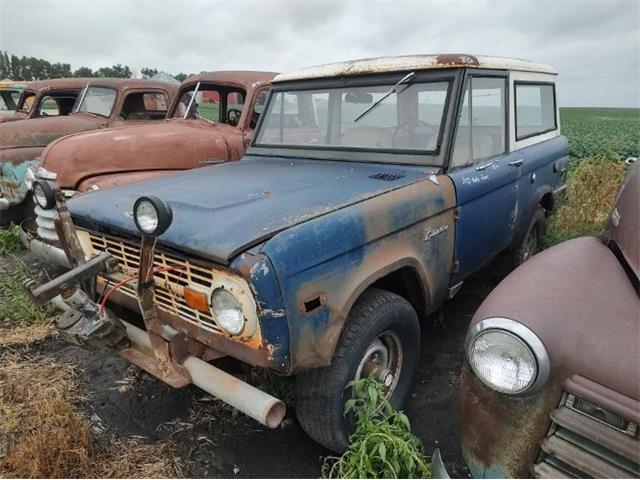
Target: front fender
323, 265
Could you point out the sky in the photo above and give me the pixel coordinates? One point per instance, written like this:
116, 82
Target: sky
594, 44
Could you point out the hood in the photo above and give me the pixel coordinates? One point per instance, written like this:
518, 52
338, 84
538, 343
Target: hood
39, 132
12, 117
220, 211
162, 145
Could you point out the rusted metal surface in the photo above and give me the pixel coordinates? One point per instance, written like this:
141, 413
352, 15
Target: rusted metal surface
118, 156
624, 222
21, 142
413, 62
558, 297
38, 90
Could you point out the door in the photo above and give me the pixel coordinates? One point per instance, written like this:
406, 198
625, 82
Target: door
486, 182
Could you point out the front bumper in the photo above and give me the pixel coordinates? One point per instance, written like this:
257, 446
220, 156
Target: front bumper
161, 350
44, 250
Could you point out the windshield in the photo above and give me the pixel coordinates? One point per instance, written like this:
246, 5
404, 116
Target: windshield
212, 103
368, 118
27, 101
97, 100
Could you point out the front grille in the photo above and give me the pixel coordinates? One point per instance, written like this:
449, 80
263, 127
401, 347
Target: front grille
169, 285
581, 446
46, 228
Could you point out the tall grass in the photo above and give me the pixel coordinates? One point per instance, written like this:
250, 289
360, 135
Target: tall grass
592, 184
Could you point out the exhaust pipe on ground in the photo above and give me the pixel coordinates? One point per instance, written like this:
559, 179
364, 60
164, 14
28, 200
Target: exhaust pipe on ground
255, 403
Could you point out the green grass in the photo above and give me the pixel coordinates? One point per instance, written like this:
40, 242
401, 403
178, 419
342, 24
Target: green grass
382, 445
10, 240
611, 133
16, 307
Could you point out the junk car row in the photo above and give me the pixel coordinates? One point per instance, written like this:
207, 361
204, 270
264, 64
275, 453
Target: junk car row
320, 216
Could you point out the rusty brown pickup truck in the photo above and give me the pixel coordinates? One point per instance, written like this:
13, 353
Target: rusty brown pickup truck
551, 384
102, 103
47, 98
213, 126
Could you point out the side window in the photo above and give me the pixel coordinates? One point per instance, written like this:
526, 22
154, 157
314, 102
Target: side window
144, 106
235, 102
481, 124
155, 102
48, 107
258, 107
535, 109
54, 105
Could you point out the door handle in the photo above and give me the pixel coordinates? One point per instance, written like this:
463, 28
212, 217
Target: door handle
485, 166
516, 163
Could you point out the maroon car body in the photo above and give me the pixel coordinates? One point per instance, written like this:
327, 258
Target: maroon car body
104, 102
37, 98
122, 155
580, 417
229, 107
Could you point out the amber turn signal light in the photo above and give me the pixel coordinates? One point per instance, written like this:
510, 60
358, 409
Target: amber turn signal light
196, 300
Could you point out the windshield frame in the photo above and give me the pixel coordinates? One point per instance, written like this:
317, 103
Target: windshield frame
82, 97
435, 157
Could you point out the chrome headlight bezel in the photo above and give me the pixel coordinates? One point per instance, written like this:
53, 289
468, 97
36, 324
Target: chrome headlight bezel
520, 332
45, 174
242, 294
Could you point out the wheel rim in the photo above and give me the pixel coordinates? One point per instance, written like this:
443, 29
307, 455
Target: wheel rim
530, 245
383, 361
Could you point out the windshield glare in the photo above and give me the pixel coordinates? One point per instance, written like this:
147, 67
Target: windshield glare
408, 120
98, 100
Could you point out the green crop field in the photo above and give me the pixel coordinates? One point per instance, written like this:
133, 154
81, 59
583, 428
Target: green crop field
611, 133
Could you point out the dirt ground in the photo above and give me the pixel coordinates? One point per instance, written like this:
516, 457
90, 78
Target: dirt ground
212, 440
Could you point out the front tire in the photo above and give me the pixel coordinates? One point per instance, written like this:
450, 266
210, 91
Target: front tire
380, 338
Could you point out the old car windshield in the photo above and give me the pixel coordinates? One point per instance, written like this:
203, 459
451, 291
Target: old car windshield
26, 102
212, 103
408, 119
98, 101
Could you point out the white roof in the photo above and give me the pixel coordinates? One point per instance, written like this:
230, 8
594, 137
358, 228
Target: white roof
413, 62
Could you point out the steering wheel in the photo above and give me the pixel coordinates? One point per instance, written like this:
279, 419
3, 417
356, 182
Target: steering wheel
410, 125
233, 116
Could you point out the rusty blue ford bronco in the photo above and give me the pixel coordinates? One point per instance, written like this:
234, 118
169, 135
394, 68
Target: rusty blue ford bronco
372, 188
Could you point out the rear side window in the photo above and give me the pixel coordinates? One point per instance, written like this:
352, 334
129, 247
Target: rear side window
535, 109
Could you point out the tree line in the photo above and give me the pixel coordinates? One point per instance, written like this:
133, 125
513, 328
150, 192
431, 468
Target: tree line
32, 68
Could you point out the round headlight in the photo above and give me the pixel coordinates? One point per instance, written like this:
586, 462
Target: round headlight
43, 195
227, 311
507, 356
503, 361
152, 216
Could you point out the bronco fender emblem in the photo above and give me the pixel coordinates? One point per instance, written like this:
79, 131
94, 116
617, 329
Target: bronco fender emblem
432, 232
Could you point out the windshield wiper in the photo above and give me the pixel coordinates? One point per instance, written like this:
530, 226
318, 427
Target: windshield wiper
393, 89
193, 97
